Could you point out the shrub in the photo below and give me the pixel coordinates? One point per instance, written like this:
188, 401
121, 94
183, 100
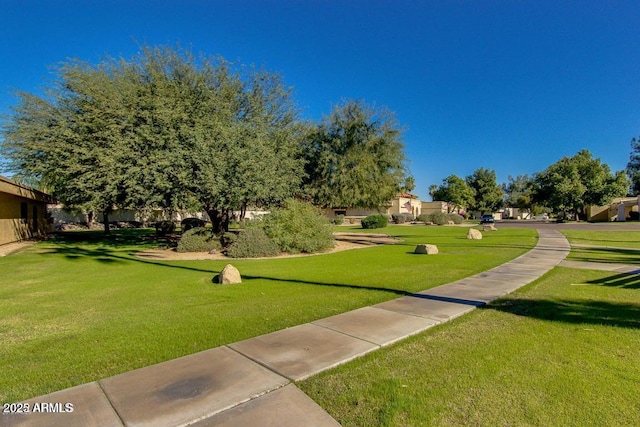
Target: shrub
339, 219
253, 243
198, 239
298, 227
228, 239
457, 219
189, 223
165, 227
401, 218
375, 221
424, 218
442, 218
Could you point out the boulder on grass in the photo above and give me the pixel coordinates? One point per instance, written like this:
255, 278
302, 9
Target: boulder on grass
426, 249
474, 234
489, 227
229, 275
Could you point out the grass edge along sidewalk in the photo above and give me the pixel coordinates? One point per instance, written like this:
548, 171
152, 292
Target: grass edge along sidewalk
563, 350
143, 385
78, 310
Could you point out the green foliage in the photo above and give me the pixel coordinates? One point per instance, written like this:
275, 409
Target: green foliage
228, 239
455, 191
573, 183
298, 227
424, 218
441, 218
401, 218
189, 223
339, 219
355, 157
198, 239
633, 167
165, 227
253, 243
375, 221
163, 129
487, 194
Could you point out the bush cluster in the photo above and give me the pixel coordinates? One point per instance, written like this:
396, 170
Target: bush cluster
339, 219
375, 221
441, 218
189, 223
253, 243
401, 218
164, 227
198, 239
298, 227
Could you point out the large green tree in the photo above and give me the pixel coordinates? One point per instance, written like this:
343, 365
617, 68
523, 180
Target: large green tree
633, 167
573, 183
453, 190
164, 129
487, 193
355, 158
518, 193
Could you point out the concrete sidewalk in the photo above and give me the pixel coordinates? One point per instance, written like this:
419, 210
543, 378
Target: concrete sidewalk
250, 383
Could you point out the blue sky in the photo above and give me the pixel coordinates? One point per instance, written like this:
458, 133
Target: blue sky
506, 85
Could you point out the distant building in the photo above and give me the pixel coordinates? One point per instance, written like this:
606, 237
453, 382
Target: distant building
405, 203
23, 211
433, 207
620, 209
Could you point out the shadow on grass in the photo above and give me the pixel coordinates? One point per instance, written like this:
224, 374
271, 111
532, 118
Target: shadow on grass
111, 256
606, 255
573, 312
627, 281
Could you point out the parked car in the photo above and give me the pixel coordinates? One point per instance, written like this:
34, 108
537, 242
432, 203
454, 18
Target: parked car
487, 219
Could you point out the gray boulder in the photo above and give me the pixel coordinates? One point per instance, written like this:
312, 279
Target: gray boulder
489, 227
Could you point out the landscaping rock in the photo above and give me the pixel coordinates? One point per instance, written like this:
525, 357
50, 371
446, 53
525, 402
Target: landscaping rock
426, 249
229, 275
451, 222
489, 227
474, 234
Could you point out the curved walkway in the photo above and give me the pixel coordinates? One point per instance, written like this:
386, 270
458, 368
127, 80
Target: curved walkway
250, 383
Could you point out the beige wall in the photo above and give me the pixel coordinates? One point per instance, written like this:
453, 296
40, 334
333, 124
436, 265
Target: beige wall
16, 223
13, 226
431, 207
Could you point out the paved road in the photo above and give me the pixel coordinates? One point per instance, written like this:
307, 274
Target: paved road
596, 226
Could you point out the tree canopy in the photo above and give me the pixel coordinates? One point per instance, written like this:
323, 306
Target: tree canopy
633, 167
164, 129
487, 194
573, 183
355, 158
455, 191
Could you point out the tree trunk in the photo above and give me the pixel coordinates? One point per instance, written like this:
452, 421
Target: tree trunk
105, 218
90, 218
219, 220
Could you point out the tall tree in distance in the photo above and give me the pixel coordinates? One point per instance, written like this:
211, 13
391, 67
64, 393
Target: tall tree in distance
573, 183
355, 158
455, 191
633, 167
518, 193
487, 193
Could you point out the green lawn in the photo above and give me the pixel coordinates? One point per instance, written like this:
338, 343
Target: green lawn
563, 351
608, 246
81, 308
